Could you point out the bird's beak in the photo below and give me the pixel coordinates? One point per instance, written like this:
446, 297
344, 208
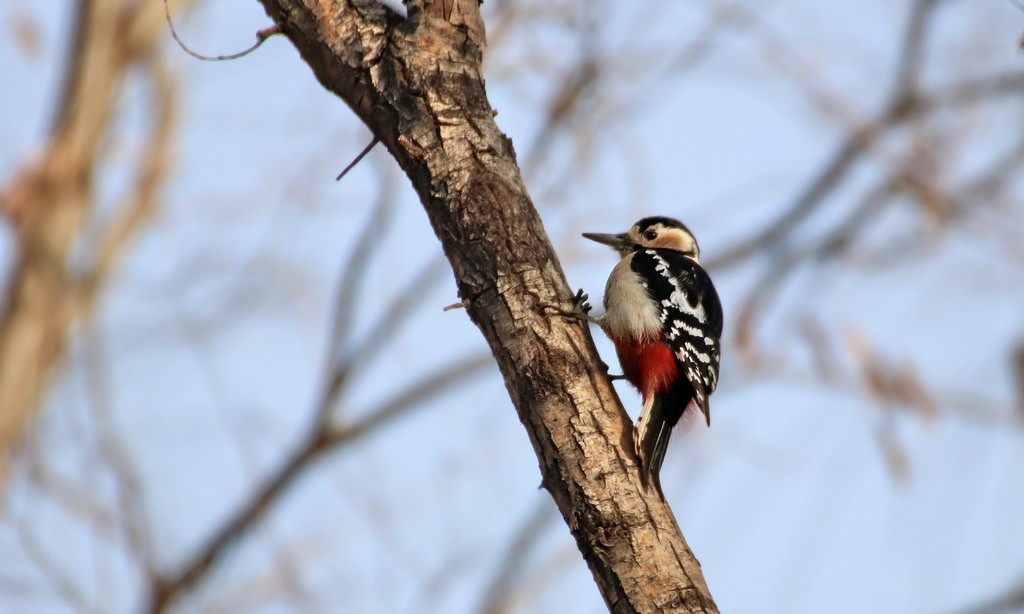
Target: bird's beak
620, 241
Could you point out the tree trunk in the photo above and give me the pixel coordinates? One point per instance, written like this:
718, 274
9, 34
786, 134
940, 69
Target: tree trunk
417, 84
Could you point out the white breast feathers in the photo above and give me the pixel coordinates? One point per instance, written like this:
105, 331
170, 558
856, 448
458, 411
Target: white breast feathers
630, 311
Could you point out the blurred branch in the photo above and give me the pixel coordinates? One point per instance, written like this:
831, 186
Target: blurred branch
166, 588
282, 580
905, 104
833, 173
908, 64
320, 440
70, 495
141, 204
322, 436
779, 268
577, 90
843, 235
983, 411
131, 505
63, 584
591, 100
390, 321
883, 381
1018, 378
46, 202
413, 396
357, 265
499, 590
1010, 602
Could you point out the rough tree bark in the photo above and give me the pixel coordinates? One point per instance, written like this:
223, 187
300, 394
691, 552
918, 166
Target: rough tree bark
417, 84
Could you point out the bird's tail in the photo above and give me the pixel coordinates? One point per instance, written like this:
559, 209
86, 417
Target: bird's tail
650, 438
660, 414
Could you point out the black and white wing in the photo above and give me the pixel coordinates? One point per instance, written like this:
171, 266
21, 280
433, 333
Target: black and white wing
691, 316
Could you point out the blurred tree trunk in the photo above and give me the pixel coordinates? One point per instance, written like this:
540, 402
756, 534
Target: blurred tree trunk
46, 203
417, 84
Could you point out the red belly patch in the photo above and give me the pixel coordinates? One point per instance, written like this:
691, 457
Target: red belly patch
647, 364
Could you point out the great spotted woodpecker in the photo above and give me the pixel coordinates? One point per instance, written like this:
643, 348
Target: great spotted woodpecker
665, 319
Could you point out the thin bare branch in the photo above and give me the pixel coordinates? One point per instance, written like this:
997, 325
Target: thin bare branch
261, 36
362, 154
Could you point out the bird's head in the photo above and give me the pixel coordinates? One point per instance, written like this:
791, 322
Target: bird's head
651, 232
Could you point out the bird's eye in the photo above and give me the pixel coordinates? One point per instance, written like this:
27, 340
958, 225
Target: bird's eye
651, 235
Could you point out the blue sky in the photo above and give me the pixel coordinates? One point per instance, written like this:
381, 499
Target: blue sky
215, 330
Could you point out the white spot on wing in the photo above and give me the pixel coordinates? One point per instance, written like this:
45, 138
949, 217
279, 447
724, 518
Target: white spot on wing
678, 298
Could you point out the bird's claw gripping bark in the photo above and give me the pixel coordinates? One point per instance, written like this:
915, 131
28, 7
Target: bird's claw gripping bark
581, 302
580, 308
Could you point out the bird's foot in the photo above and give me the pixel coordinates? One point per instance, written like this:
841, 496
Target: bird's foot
580, 308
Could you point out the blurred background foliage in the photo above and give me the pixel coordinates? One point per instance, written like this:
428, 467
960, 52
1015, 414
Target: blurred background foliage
227, 382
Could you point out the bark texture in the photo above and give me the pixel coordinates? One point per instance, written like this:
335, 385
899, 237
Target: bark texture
417, 84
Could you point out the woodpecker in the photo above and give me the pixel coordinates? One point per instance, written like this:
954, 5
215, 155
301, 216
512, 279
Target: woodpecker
663, 314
